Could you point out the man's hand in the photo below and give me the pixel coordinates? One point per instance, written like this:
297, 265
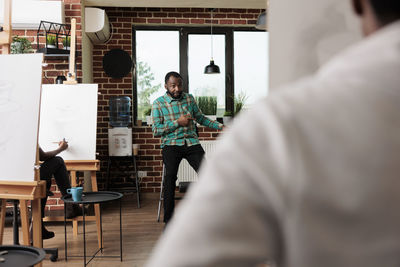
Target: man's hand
184, 120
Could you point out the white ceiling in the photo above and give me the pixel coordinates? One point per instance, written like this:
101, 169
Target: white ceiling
180, 3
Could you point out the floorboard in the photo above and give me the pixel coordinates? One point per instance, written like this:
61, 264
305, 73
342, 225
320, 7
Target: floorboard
140, 233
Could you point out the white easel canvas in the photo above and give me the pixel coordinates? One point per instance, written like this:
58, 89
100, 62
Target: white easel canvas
70, 112
305, 34
20, 81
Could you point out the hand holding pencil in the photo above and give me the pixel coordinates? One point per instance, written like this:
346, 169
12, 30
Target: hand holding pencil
63, 145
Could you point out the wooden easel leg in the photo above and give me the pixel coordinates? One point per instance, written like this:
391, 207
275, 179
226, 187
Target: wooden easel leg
24, 221
74, 221
96, 208
37, 225
2, 219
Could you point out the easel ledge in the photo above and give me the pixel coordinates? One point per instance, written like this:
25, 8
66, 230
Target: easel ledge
83, 165
22, 190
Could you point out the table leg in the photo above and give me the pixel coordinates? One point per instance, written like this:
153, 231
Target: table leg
84, 235
101, 232
74, 221
120, 229
65, 232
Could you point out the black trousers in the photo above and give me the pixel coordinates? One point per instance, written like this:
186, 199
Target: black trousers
172, 156
54, 167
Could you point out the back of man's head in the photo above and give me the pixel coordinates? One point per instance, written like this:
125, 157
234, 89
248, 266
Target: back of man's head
386, 11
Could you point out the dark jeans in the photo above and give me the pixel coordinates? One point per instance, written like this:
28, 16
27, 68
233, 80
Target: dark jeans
54, 167
172, 156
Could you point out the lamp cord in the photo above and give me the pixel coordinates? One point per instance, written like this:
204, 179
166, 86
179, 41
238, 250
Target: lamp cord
212, 34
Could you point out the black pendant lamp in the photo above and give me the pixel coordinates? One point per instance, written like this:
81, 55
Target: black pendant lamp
211, 68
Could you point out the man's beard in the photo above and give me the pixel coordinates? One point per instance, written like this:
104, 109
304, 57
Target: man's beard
176, 97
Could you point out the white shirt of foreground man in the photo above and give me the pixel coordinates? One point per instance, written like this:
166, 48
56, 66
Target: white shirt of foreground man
308, 178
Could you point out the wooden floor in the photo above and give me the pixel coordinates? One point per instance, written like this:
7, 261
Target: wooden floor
140, 233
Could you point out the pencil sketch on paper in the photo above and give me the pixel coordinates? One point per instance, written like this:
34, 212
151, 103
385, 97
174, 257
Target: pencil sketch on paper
75, 119
8, 106
19, 114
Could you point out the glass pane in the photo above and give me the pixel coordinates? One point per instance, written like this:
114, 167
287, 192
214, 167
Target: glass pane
250, 66
157, 53
199, 56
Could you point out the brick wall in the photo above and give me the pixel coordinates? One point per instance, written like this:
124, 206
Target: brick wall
122, 19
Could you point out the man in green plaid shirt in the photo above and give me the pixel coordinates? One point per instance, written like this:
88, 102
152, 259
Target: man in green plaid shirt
174, 117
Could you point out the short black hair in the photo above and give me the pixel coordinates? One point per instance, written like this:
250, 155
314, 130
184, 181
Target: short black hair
386, 11
174, 74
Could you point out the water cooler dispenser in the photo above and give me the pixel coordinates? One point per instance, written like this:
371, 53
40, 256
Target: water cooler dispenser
120, 136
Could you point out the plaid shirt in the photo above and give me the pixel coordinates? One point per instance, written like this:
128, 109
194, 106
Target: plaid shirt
166, 111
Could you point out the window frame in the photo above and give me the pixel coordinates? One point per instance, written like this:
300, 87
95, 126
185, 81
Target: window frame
184, 32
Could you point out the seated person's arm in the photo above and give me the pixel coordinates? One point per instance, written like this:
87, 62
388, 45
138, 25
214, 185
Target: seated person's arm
62, 145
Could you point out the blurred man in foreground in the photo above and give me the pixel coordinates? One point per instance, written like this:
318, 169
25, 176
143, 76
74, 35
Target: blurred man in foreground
310, 176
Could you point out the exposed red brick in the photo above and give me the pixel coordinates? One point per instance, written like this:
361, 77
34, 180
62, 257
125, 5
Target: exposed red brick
197, 9
243, 22
197, 21
154, 20
226, 21
168, 20
183, 21
139, 20
160, 15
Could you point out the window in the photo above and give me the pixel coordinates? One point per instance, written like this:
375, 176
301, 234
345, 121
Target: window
187, 50
199, 55
157, 52
250, 66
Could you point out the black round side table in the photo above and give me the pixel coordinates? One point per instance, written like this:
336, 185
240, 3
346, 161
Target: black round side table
93, 198
22, 256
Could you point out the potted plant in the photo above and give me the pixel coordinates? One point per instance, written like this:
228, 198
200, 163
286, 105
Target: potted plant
147, 114
208, 105
66, 41
227, 117
240, 101
20, 45
51, 41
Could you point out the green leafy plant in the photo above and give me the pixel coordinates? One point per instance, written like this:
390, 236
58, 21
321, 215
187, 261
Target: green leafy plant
147, 111
66, 41
20, 45
145, 87
51, 39
228, 113
240, 101
207, 104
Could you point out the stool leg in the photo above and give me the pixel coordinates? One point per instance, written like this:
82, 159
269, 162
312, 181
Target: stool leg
161, 194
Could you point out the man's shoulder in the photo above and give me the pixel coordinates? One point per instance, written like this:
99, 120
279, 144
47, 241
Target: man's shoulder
160, 99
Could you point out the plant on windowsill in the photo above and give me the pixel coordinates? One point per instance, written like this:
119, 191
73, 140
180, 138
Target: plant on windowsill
51, 41
20, 45
66, 41
208, 106
240, 101
147, 114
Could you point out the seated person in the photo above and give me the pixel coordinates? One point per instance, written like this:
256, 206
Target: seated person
54, 166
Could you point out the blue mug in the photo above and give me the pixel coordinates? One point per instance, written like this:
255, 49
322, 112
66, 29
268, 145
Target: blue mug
76, 193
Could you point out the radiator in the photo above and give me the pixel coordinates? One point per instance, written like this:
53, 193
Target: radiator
186, 172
